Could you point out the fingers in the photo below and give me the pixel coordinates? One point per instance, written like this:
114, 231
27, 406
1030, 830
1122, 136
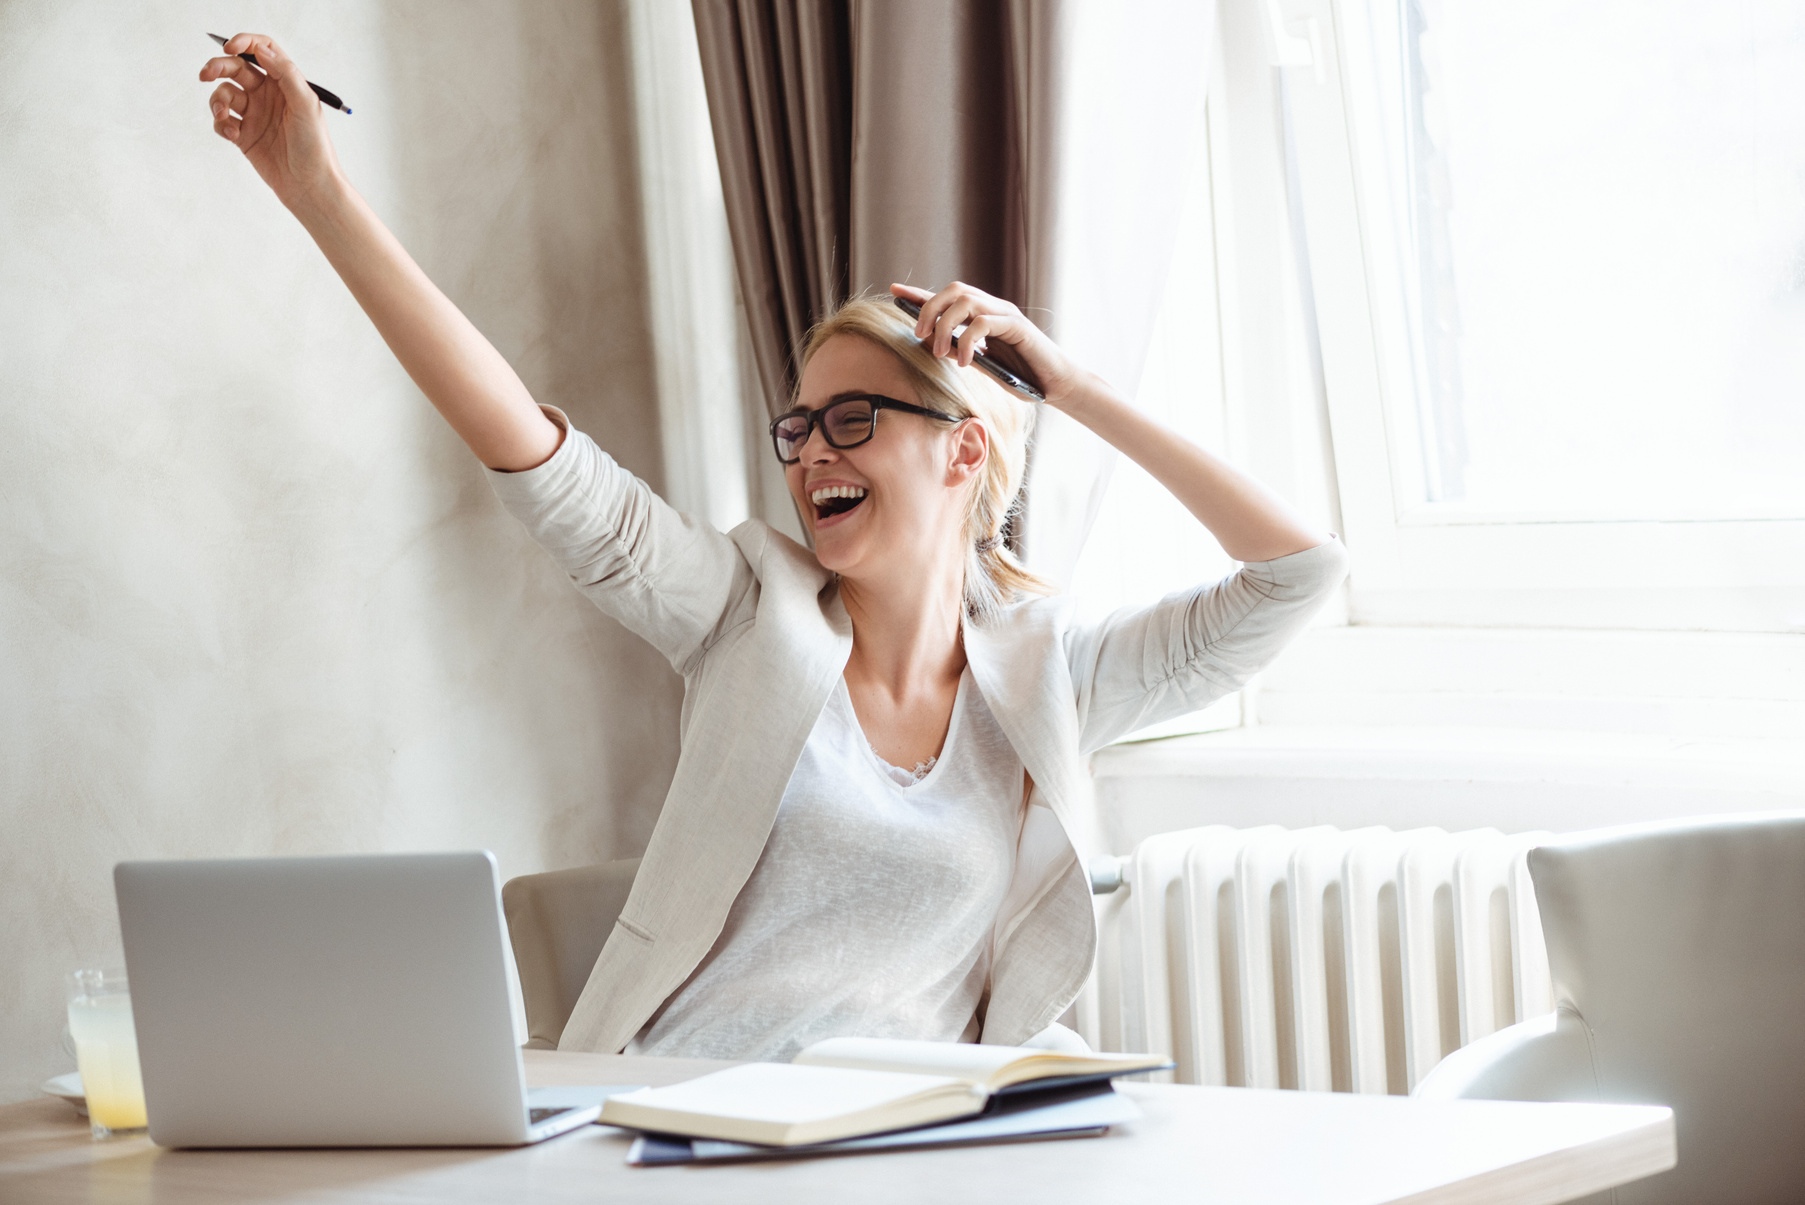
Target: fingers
235, 69
952, 318
227, 99
958, 312
952, 307
251, 43
933, 307
972, 341
225, 124
275, 63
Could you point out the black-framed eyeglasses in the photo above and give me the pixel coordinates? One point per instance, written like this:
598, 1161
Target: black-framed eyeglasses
845, 423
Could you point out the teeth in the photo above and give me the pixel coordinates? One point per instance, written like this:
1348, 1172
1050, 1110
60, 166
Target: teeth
836, 491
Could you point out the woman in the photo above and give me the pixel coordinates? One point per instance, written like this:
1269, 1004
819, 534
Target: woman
879, 820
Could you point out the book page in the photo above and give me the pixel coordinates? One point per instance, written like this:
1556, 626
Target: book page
784, 1093
961, 1060
991, 1066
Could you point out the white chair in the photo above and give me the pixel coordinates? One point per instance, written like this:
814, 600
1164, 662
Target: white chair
1678, 955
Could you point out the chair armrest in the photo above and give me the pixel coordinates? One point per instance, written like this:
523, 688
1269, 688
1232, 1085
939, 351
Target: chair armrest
1544, 1058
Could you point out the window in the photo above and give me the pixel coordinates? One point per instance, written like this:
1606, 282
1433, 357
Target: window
1557, 251
1143, 543
1229, 362
1603, 237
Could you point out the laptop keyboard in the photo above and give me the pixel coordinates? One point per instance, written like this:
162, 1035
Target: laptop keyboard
535, 1116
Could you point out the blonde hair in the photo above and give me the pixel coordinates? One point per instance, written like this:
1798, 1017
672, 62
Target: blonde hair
994, 578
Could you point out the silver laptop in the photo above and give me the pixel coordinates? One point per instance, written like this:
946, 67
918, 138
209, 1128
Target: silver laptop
348, 1001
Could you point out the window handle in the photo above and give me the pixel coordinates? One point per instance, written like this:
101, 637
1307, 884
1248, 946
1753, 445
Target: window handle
1287, 49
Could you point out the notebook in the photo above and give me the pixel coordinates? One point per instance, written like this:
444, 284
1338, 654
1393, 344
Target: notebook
1084, 1112
847, 1087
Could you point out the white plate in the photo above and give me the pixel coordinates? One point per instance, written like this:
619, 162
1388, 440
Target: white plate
69, 1088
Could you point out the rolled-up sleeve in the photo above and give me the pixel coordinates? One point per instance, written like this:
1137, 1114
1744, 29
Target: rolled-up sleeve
666, 576
1145, 665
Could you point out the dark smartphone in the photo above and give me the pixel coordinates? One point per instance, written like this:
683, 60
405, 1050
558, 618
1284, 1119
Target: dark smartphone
984, 360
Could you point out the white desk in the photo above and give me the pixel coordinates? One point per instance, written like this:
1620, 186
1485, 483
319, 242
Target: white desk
1202, 1145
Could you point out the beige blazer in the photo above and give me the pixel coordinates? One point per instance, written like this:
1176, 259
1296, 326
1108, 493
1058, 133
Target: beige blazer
757, 629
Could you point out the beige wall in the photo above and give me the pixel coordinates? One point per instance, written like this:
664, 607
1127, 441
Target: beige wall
255, 597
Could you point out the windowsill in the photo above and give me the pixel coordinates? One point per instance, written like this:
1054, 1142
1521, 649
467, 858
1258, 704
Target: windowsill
1516, 780
1696, 685
1734, 685
1516, 729
1452, 752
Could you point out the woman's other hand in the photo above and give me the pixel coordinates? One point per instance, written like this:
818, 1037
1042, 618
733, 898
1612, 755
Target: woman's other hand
272, 116
988, 320
1251, 522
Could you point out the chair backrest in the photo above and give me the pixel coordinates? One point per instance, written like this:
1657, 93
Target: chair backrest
1682, 946
558, 922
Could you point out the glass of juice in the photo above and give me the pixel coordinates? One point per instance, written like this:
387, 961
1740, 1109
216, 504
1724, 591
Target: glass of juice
106, 1051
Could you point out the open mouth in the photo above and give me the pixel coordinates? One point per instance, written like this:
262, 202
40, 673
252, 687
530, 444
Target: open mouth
832, 500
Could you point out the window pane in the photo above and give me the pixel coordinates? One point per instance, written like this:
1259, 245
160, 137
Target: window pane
1605, 203
1144, 544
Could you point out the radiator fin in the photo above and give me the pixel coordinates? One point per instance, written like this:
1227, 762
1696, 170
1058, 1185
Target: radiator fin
1317, 958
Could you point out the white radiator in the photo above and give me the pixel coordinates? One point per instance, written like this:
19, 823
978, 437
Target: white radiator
1314, 958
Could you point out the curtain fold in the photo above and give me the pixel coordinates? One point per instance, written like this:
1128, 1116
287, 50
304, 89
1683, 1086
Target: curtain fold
865, 141
778, 76
935, 191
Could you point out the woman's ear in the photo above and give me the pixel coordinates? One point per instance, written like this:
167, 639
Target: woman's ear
971, 449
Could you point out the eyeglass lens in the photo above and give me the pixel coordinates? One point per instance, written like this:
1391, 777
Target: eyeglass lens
846, 424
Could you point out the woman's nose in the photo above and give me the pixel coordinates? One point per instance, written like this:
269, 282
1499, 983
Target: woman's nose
816, 449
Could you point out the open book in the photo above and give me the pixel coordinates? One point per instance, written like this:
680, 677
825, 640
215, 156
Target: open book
850, 1086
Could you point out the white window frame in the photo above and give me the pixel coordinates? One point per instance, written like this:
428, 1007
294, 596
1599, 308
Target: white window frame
1418, 562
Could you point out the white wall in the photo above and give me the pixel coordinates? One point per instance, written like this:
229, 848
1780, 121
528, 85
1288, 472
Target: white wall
254, 597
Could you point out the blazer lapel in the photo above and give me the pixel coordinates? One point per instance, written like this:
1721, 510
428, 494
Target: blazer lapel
1043, 954
1019, 665
757, 702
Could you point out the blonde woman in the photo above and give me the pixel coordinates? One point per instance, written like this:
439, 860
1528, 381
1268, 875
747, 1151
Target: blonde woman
879, 820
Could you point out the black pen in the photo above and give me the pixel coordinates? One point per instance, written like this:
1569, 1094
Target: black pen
329, 99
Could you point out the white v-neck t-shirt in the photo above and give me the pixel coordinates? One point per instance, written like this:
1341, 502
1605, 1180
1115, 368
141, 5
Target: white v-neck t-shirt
871, 911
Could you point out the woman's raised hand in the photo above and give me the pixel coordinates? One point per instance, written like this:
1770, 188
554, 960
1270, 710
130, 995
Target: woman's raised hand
272, 116
275, 119
988, 319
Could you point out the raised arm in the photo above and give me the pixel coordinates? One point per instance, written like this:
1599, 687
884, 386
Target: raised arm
1144, 665
274, 118
1248, 520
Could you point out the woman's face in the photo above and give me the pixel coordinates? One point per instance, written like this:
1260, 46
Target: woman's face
908, 483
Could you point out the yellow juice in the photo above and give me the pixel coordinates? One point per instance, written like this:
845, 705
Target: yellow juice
106, 1050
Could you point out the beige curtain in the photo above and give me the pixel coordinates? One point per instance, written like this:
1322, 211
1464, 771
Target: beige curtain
778, 77
865, 141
